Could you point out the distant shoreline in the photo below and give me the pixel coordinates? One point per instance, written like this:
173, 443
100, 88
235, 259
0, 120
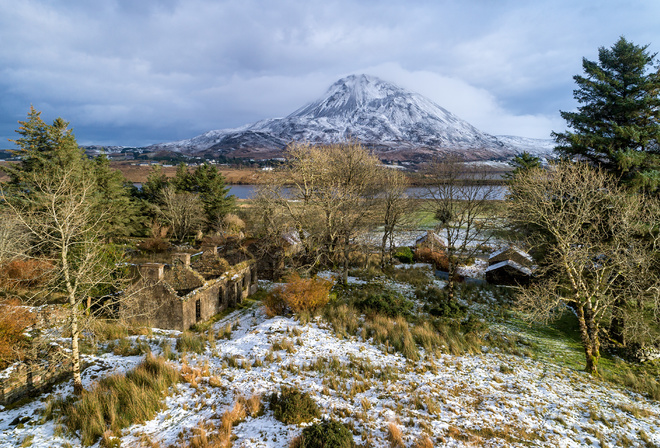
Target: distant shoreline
136, 173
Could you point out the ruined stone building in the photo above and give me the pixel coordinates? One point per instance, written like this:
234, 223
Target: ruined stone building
179, 295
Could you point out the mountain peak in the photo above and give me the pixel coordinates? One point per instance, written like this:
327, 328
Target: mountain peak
350, 94
400, 124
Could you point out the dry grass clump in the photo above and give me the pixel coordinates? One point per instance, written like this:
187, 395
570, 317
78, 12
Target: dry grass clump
298, 294
119, 401
207, 435
394, 332
423, 441
252, 405
426, 336
107, 330
394, 435
343, 318
191, 342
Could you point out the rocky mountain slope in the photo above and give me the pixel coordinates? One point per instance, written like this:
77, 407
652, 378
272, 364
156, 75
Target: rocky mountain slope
397, 123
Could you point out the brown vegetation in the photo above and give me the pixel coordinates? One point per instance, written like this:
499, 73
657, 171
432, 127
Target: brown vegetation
26, 273
14, 319
298, 294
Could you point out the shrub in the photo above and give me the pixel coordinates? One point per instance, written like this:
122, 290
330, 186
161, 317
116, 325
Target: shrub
27, 273
154, 244
394, 435
437, 303
232, 224
119, 401
436, 257
404, 254
299, 294
291, 406
14, 319
386, 302
327, 434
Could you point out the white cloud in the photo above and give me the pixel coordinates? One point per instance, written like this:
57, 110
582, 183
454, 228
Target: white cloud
475, 105
187, 66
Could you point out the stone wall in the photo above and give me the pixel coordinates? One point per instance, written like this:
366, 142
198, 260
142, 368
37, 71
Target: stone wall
26, 379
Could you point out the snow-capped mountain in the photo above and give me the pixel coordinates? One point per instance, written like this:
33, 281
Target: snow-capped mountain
395, 122
539, 147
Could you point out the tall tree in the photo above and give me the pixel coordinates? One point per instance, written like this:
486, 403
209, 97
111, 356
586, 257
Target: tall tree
617, 125
209, 185
459, 196
115, 196
396, 209
598, 244
328, 195
44, 149
54, 195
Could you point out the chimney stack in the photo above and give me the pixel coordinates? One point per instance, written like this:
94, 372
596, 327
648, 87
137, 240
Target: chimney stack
181, 259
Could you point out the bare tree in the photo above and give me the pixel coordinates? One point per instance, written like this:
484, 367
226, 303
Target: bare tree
458, 195
595, 243
183, 212
14, 238
328, 194
61, 215
395, 209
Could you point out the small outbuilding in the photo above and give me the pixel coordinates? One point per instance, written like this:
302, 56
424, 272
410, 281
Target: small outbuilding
509, 273
512, 253
431, 240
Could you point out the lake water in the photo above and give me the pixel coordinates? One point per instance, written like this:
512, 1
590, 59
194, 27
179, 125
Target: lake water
247, 191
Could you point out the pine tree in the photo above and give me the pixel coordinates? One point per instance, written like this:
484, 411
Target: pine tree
521, 163
617, 125
209, 184
114, 196
45, 149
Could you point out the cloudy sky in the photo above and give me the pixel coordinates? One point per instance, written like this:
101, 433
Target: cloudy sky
136, 72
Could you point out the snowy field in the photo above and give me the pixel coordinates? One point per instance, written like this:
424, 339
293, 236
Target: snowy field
488, 399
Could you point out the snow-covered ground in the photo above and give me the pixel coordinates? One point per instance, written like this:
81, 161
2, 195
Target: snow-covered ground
488, 399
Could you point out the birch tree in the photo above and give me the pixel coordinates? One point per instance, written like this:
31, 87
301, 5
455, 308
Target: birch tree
54, 196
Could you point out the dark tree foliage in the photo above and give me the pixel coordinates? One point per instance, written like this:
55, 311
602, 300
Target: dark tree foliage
326, 434
43, 149
617, 124
521, 163
47, 150
209, 183
115, 196
205, 181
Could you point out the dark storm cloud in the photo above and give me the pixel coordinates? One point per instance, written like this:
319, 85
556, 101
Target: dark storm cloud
139, 72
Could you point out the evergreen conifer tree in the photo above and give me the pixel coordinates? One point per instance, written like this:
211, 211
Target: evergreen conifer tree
617, 125
521, 163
